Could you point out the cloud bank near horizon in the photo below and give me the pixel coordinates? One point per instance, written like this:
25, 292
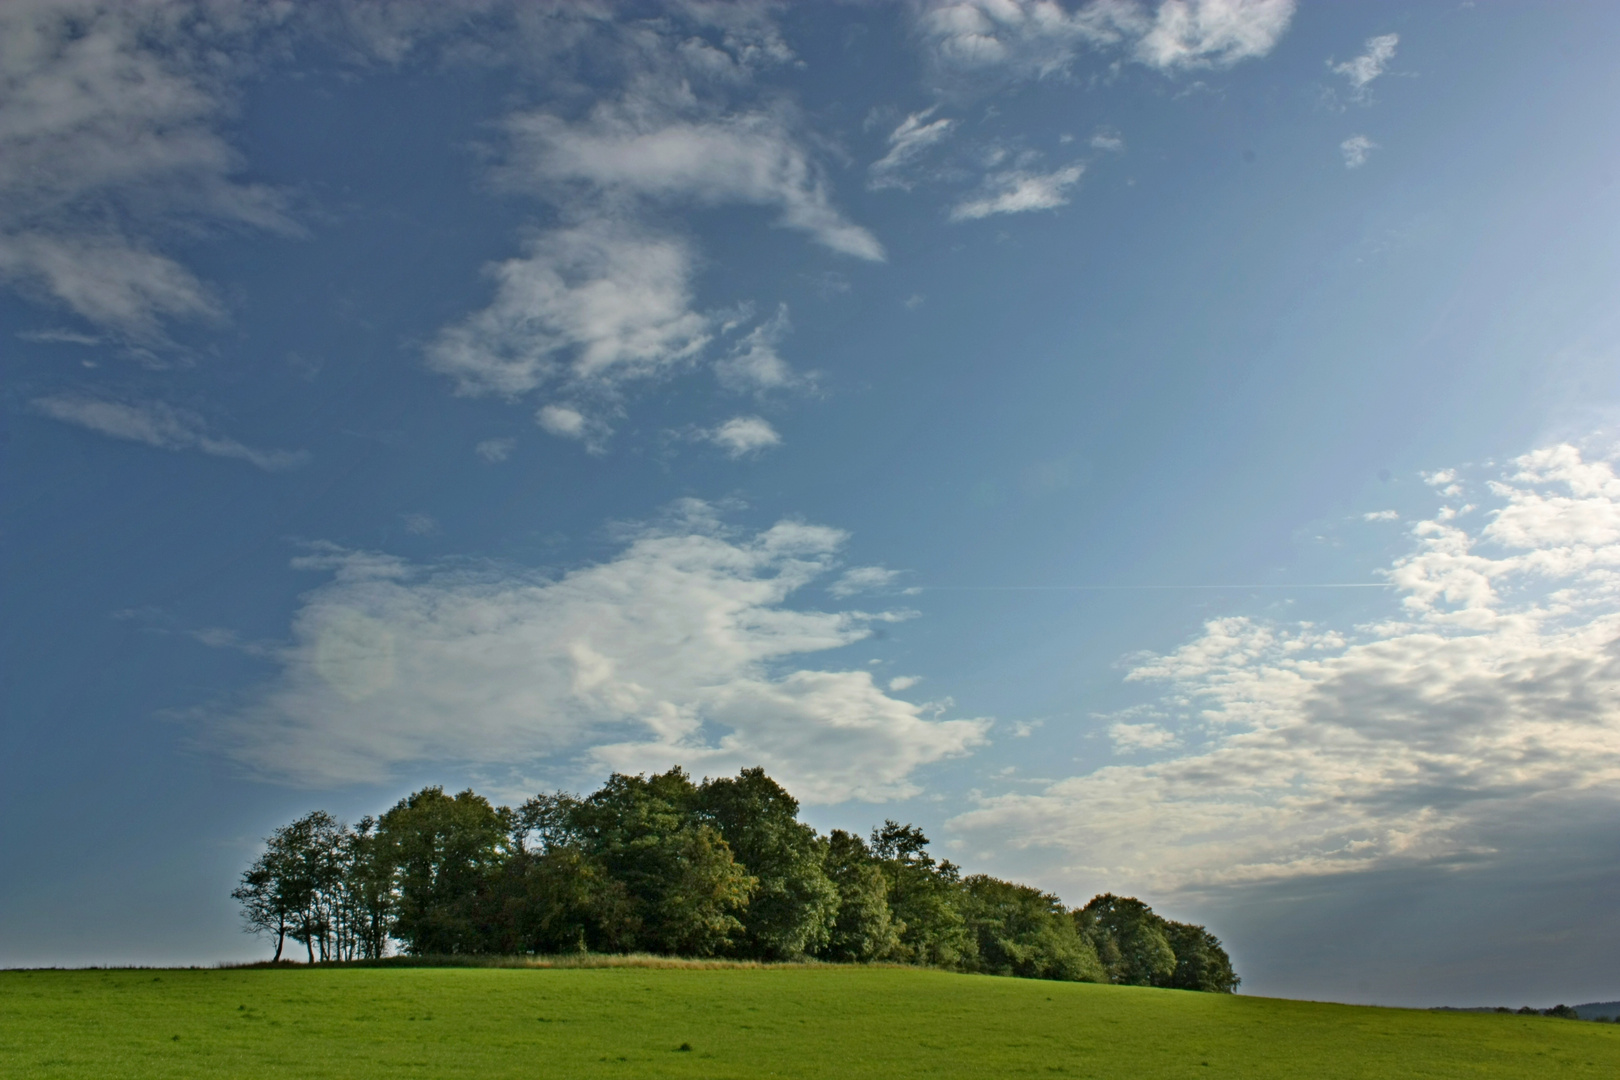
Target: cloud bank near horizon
1492, 695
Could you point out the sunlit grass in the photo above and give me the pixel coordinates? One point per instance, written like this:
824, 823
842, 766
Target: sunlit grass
702, 1020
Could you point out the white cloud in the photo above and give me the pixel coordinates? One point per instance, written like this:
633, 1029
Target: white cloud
594, 305
755, 362
1369, 65
60, 337
1356, 149
903, 682
563, 421
637, 147
159, 425
495, 450
108, 142
907, 142
420, 524
1034, 39
1027, 38
859, 579
1016, 191
1108, 141
743, 435
1492, 693
1382, 515
607, 300
1212, 33
678, 650
1129, 738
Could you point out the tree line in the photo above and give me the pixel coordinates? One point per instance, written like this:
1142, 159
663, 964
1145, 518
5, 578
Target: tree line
660, 864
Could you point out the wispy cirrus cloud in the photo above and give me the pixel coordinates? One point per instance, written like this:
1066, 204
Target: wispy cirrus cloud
110, 141
755, 361
679, 649
1018, 191
1362, 70
1491, 694
608, 299
859, 579
156, 424
907, 143
635, 147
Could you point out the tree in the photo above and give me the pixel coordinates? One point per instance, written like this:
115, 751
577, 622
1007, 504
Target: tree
659, 864
1130, 940
1025, 932
292, 889
682, 887
791, 910
368, 894
1140, 948
1201, 962
862, 927
448, 853
263, 909
923, 898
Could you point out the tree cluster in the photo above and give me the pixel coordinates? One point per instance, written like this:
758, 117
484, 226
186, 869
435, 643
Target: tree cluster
660, 864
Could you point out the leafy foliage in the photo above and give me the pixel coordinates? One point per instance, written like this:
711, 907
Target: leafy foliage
659, 864
1139, 948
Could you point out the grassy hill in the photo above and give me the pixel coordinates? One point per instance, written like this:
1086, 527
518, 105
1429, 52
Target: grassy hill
734, 1022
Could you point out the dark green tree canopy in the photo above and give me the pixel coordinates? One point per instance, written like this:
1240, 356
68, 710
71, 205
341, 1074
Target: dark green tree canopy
664, 865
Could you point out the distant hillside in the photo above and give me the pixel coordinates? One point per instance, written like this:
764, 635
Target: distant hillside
1598, 1010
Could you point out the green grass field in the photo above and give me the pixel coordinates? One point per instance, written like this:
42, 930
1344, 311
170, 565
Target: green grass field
780, 1021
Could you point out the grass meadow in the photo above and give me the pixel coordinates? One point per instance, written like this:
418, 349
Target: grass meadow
711, 1021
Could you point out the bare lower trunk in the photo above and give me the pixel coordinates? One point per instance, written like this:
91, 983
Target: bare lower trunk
281, 938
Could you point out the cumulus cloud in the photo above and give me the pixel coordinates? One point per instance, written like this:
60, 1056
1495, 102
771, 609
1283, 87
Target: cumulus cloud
1492, 693
743, 435
907, 143
1355, 150
1016, 191
1369, 65
159, 425
1212, 33
595, 305
1382, 515
1128, 738
1034, 39
562, 421
638, 148
109, 141
680, 649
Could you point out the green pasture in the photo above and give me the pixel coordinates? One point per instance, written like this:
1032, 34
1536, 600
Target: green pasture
826, 1021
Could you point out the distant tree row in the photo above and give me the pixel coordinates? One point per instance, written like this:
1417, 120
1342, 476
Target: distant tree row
659, 864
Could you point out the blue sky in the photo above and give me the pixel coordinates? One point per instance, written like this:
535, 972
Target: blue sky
971, 412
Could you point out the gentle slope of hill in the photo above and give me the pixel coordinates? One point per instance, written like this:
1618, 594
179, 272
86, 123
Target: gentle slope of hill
784, 1021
